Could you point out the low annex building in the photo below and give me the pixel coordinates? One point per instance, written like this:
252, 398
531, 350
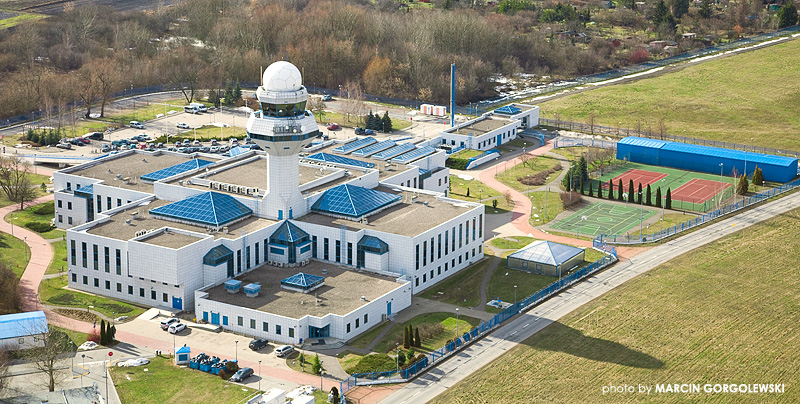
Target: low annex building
546, 258
366, 222
22, 330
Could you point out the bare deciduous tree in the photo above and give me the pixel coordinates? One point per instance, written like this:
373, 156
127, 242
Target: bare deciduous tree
8, 290
49, 355
15, 179
354, 101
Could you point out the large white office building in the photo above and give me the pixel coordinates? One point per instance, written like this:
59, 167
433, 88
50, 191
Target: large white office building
305, 239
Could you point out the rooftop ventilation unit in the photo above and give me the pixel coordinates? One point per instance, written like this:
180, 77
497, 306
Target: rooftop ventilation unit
118, 176
128, 222
180, 182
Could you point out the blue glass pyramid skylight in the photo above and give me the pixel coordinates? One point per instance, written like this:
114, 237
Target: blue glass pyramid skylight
287, 233
332, 158
176, 169
547, 252
508, 110
302, 281
207, 209
352, 201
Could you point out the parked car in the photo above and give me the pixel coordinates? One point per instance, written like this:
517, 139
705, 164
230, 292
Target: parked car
327, 97
133, 363
136, 125
369, 132
84, 140
186, 142
181, 150
178, 144
283, 350
176, 328
242, 374
105, 149
66, 146
168, 322
205, 149
193, 149
360, 131
257, 344
213, 149
224, 148
160, 145
333, 126
94, 135
214, 142
196, 143
183, 125
172, 149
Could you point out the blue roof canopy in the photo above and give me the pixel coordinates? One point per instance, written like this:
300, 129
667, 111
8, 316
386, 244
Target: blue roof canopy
352, 201
372, 149
87, 190
356, 144
183, 349
547, 252
217, 255
208, 209
332, 158
373, 244
394, 151
22, 324
303, 281
413, 155
176, 169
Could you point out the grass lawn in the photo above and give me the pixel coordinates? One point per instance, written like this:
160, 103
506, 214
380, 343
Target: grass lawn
670, 219
554, 206
462, 288
59, 262
77, 338
164, 382
15, 253
51, 292
211, 132
533, 166
478, 190
18, 19
697, 101
363, 340
448, 320
143, 111
466, 154
330, 116
713, 315
293, 362
516, 145
29, 215
37, 180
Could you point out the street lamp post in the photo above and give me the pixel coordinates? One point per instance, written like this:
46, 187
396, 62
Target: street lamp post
237, 351
496, 163
26, 250
719, 201
578, 234
515, 294
457, 336
397, 347
259, 375
12, 224
641, 214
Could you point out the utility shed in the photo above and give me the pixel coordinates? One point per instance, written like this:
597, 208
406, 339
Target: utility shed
19, 330
546, 258
707, 159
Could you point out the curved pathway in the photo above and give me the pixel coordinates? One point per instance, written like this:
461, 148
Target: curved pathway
522, 205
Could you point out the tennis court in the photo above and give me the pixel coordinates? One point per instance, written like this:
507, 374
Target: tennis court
603, 218
690, 198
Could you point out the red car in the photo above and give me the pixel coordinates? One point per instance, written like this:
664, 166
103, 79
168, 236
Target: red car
333, 126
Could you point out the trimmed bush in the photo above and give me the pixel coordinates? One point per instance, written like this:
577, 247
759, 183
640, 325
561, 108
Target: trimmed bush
45, 209
374, 363
39, 227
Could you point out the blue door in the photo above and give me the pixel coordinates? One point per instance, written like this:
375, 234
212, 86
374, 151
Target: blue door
215, 318
177, 303
224, 320
205, 316
388, 309
499, 140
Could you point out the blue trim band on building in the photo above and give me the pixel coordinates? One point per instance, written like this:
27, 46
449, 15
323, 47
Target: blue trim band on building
705, 159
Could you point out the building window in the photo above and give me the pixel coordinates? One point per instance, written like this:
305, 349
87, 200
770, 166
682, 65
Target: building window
460, 235
60, 219
431, 274
84, 255
257, 254
108, 202
446, 242
119, 287
445, 267
253, 323
96, 282
119, 202
480, 225
72, 252
291, 332
277, 329
348, 327
453, 246
108, 285
365, 318
247, 256
431, 250
424, 278
439, 247
325, 254
119, 262
480, 249
417, 282
466, 233
69, 205
265, 326
338, 251
130, 289
238, 261
99, 204
314, 246
417, 261
240, 321
424, 253
153, 294
59, 203
473, 229
165, 297
107, 262
95, 256
349, 253
74, 277
473, 253
69, 220
141, 292
85, 280
439, 270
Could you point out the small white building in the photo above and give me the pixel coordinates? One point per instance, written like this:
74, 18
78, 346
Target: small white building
22, 330
491, 129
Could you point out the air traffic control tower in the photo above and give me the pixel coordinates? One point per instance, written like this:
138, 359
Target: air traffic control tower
282, 128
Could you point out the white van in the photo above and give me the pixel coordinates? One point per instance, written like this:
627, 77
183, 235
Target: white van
136, 125
200, 107
283, 350
189, 109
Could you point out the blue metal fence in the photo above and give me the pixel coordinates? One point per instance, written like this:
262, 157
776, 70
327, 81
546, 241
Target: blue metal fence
671, 231
465, 338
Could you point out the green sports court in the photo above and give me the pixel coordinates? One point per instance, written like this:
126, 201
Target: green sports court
604, 218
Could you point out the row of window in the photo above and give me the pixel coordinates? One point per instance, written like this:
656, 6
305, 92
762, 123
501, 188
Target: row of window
119, 287
461, 259
449, 241
95, 257
366, 319
337, 250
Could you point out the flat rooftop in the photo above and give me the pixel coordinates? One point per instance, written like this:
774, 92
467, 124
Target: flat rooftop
406, 218
132, 165
116, 227
380, 165
480, 126
340, 295
172, 239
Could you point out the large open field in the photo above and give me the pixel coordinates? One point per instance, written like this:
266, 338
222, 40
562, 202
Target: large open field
751, 95
725, 313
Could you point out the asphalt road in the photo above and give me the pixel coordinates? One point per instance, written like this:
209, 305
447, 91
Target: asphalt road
483, 352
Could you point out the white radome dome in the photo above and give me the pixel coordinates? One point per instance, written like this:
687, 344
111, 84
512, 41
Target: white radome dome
282, 76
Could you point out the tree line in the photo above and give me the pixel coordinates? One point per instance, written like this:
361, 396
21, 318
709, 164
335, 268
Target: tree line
88, 53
